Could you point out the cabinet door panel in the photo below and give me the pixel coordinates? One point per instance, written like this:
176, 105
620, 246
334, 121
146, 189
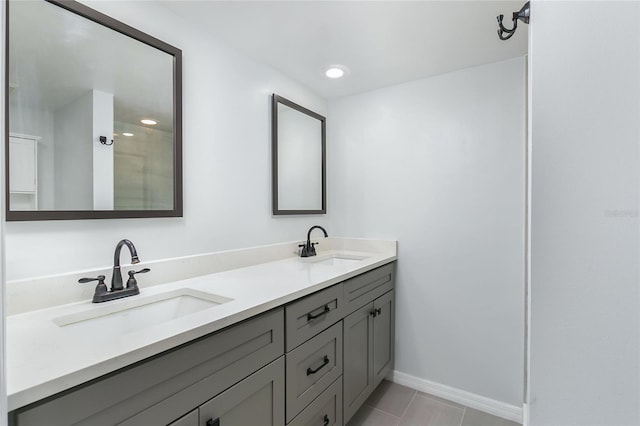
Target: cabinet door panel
358, 359
257, 400
383, 337
190, 419
325, 410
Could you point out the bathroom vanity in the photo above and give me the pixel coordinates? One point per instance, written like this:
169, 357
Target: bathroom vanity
292, 341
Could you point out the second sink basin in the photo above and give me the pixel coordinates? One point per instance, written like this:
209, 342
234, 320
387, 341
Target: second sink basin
338, 260
137, 313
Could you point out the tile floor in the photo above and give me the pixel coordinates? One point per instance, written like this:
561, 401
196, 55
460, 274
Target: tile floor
395, 405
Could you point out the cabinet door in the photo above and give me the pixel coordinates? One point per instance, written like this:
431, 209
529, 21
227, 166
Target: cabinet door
257, 400
22, 157
383, 336
358, 359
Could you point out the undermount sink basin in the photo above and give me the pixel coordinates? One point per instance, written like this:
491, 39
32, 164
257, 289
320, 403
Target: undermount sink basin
338, 260
137, 313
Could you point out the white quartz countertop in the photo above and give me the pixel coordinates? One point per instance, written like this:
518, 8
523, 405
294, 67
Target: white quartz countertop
44, 358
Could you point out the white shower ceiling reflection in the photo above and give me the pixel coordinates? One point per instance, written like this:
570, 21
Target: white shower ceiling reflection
381, 42
57, 56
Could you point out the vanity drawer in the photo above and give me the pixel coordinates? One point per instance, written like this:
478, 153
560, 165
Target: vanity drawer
308, 316
162, 388
365, 288
312, 367
325, 410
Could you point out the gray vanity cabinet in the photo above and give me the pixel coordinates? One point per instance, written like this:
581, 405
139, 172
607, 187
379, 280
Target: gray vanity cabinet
242, 375
159, 390
368, 350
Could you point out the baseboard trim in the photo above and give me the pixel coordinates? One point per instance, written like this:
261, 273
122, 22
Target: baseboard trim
487, 405
525, 414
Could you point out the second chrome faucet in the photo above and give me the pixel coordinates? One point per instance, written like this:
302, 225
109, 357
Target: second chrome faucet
308, 248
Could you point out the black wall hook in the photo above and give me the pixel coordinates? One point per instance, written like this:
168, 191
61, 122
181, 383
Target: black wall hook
103, 141
505, 33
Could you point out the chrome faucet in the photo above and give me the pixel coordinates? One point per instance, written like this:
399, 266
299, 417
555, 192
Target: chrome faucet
117, 291
309, 249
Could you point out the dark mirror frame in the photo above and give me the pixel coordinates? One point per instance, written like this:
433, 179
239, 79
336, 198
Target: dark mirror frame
109, 22
276, 99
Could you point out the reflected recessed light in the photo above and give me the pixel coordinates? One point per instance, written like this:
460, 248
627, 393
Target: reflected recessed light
149, 121
334, 72
127, 134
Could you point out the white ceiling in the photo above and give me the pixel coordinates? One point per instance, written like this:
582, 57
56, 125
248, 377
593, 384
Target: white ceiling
382, 43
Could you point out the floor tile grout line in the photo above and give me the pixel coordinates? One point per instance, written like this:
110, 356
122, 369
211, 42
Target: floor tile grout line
464, 413
443, 400
408, 405
384, 412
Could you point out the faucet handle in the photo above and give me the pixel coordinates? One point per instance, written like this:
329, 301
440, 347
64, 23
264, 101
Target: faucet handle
131, 282
101, 288
99, 278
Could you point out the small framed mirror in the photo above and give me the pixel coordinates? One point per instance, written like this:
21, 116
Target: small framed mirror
93, 116
298, 159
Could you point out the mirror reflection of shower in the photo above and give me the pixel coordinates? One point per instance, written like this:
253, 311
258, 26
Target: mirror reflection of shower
85, 85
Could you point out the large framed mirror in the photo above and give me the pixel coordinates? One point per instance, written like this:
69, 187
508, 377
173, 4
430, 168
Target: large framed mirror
93, 116
298, 159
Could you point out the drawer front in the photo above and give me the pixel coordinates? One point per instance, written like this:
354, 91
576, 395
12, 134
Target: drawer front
161, 389
325, 410
360, 290
312, 367
308, 316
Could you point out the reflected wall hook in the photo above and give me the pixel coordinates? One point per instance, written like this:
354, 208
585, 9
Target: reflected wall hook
103, 141
522, 15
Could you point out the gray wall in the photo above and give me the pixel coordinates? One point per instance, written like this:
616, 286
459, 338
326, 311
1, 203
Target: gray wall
439, 164
585, 313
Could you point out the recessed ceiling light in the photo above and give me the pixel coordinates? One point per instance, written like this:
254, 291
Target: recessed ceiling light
149, 121
127, 134
334, 72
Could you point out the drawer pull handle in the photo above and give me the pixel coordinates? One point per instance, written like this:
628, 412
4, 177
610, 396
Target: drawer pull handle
325, 362
324, 312
212, 422
326, 420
